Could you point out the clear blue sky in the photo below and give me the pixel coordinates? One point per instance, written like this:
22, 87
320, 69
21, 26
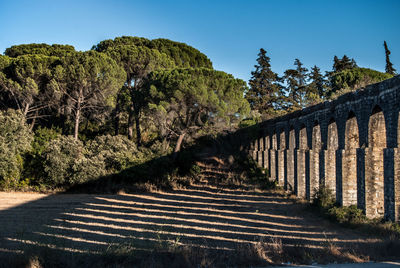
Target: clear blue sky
229, 32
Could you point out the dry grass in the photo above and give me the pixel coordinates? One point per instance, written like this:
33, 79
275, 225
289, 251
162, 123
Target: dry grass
214, 220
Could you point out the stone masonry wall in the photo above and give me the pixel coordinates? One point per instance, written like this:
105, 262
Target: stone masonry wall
349, 145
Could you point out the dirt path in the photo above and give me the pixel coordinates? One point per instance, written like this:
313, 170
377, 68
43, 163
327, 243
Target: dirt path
200, 216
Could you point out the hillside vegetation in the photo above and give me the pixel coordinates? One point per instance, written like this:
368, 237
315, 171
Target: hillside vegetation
133, 110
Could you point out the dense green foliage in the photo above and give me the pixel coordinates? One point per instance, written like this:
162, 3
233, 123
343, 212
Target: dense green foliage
72, 107
15, 140
297, 90
88, 82
68, 117
39, 49
265, 93
68, 161
271, 95
352, 79
182, 54
186, 100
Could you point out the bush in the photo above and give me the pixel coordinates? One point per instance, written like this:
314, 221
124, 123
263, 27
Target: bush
324, 198
42, 138
325, 201
348, 215
117, 152
68, 162
351, 79
61, 159
33, 161
15, 140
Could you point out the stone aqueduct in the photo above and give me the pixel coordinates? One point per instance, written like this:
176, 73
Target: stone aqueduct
349, 145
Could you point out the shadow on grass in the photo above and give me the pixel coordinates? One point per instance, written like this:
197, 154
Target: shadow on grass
199, 226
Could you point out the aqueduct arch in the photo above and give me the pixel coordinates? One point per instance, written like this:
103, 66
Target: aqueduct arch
314, 159
344, 145
374, 165
301, 162
349, 161
330, 157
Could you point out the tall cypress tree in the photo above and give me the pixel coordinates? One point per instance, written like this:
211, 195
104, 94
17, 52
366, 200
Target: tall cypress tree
389, 66
265, 93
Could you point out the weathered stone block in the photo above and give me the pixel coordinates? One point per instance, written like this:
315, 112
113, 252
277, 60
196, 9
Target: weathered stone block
374, 183
281, 167
349, 177
272, 155
290, 169
330, 170
301, 173
314, 172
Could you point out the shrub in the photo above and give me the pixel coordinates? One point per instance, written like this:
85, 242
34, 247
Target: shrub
60, 160
68, 162
33, 161
15, 139
324, 198
348, 215
117, 152
42, 137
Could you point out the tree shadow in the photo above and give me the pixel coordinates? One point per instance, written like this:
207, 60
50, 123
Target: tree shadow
116, 222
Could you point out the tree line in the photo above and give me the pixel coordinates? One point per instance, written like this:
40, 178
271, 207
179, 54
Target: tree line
134, 98
272, 95
68, 117
56, 85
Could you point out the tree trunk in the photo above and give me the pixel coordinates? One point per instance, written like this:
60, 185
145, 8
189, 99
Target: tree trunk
26, 109
138, 131
77, 115
116, 115
116, 120
179, 143
76, 128
130, 123
33, 121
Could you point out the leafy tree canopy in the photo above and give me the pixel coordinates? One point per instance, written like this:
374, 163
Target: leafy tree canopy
89, 82
189, 99
138, 62
182, 54
351, 79
42, 49
26, 82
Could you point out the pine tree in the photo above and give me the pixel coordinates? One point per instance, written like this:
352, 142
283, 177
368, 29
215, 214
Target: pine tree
343, 64
265, 93
296, 85
317, 86
389, 66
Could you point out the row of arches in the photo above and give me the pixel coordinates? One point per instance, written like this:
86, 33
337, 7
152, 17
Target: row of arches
360, 170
